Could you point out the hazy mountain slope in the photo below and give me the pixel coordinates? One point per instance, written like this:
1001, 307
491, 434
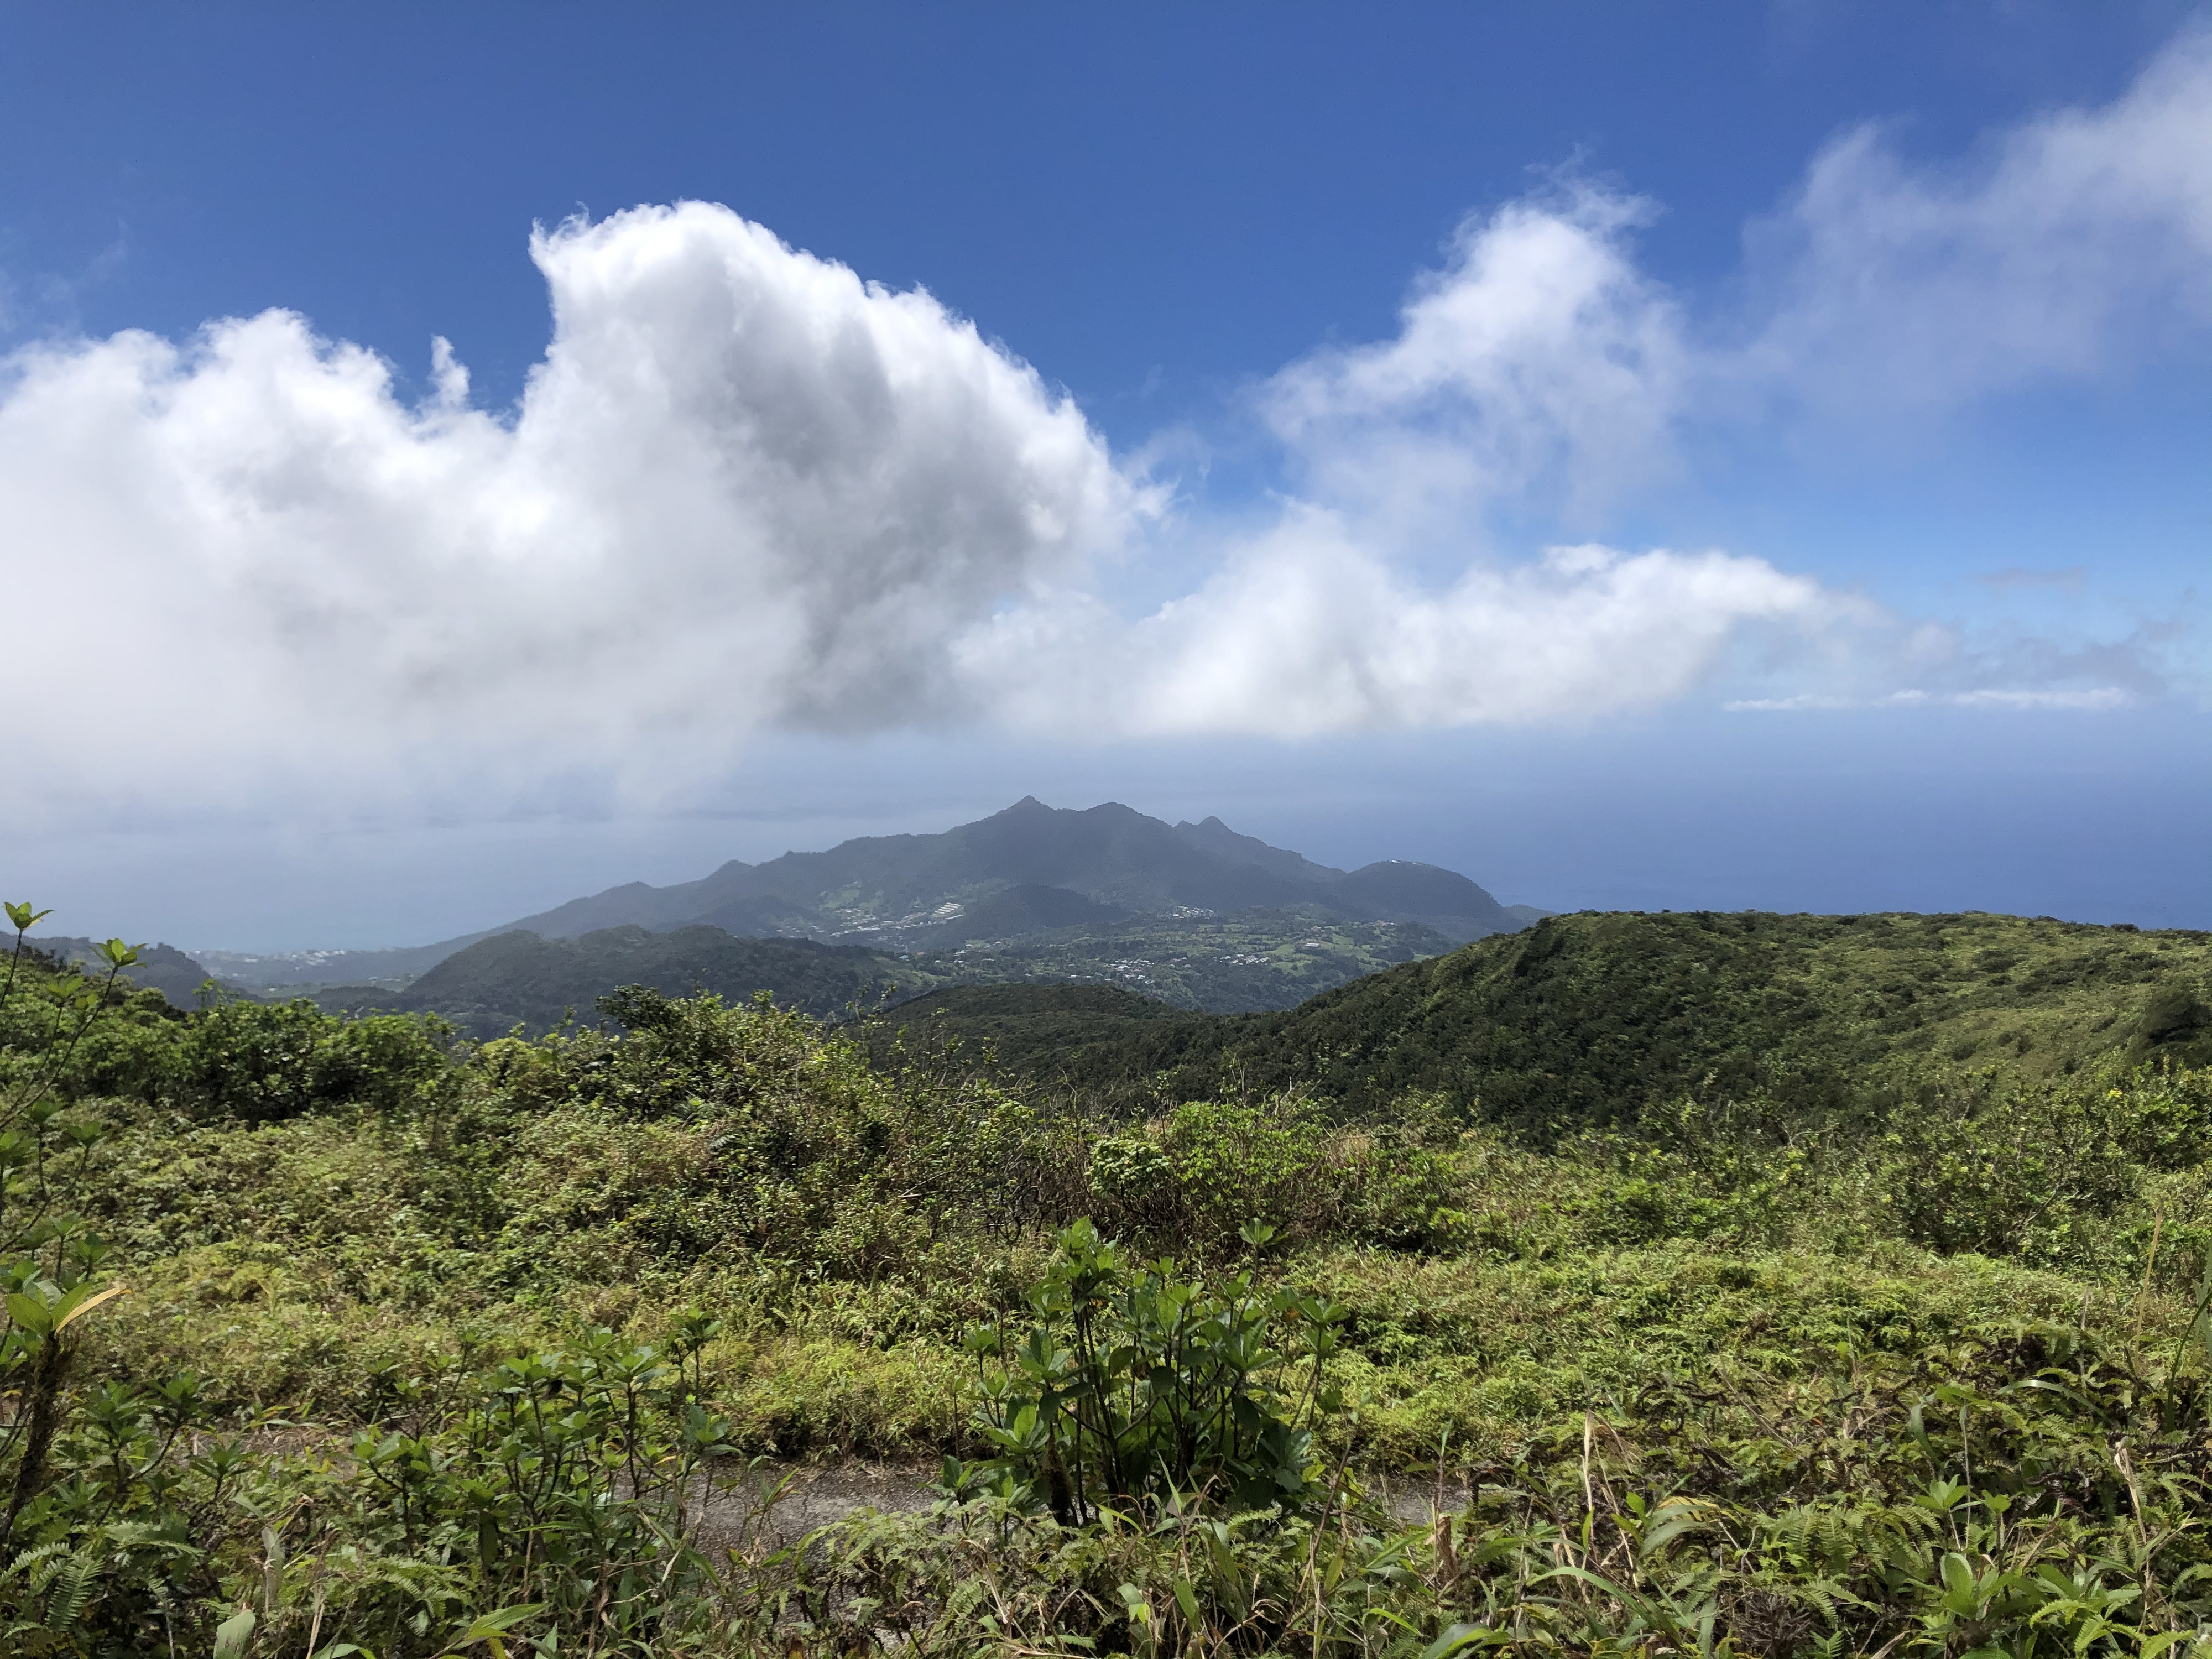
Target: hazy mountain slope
1585, 1017
637, 903
1216, 839
1442, 899
1110, 854
160, 968
903, 893
388, 969
1016, 912
519, 978
1030, 1028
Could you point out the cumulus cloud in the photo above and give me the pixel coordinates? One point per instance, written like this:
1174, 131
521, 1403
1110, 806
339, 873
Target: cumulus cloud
1307, 632
745, 489
1538, 356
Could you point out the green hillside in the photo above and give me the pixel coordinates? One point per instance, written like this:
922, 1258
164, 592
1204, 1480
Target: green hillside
1252, 960
1585, 1018
520, 978
341, 1335
1245, 962
1029, 1030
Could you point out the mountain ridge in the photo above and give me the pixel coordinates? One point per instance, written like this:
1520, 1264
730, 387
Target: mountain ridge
898, 892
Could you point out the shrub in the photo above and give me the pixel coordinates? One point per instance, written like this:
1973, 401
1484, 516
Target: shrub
2004, 1169
261, 1062
1134, 1386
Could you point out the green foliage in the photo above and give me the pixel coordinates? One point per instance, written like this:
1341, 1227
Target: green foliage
1244, 961
2176, 1024
259, 1062
1028, 1031
48, 1255
1589, 1020
1196, 1176
566, 1488
432, 1342
1991, 1165
1133, 1387
517, 979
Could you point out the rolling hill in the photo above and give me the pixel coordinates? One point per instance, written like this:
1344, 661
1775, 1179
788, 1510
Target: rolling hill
1250, 960
160, 968
1587, 1018
519, 978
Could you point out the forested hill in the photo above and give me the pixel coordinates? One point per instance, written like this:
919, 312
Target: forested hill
518, 979
1584, 1018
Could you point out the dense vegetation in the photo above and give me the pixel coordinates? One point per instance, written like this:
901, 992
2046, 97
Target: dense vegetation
1238, 962
435, 1345
518, 979
1591, 1019
1036, 1032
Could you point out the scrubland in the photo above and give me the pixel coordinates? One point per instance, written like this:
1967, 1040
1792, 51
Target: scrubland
429, 1346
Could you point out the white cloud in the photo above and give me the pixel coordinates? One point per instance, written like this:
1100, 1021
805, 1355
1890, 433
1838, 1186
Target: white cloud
2099, 699
1310, 632
2095, 699
743, 489
2065, 246
1538, 356
747, 491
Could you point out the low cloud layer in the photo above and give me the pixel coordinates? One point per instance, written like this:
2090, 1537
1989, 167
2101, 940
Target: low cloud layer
1309, 632
747, 491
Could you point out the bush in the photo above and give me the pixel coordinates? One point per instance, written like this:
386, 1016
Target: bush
262, 1062
1133, 1386
1999, 1168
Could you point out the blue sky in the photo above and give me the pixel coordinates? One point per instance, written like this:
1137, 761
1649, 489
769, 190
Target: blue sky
1861, 352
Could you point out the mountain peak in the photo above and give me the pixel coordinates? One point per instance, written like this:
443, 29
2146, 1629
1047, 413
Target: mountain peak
1027, 868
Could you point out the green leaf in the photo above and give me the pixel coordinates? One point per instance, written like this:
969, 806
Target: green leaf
1458, 1638
499, 1623
1186, 1599
234, 1634
31, 1314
